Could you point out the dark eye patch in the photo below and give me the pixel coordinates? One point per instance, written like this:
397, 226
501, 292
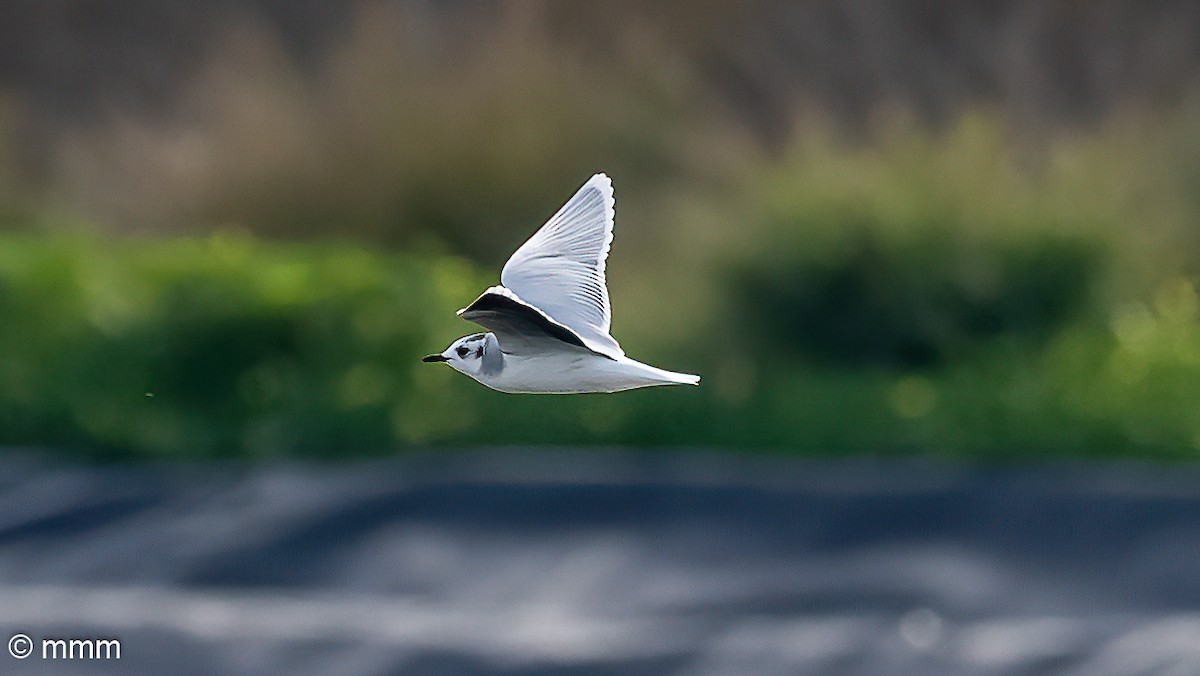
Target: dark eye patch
462, 351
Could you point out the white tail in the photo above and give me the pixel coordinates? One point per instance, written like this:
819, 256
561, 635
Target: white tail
661, 376
683, 378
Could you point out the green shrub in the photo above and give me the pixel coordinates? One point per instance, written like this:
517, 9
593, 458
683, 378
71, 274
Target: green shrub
230, 347
913, 303
221, 346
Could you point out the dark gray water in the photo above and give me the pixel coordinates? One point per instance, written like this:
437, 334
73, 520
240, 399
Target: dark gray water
518, 562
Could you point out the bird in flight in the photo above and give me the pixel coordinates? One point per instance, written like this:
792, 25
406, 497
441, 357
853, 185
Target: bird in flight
548, 323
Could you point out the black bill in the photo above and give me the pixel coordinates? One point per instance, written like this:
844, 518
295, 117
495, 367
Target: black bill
434, 358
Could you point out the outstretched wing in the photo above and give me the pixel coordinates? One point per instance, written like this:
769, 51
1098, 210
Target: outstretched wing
521, 328
560, 270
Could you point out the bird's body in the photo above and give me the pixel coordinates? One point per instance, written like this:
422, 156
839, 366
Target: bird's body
576, 371
550, 318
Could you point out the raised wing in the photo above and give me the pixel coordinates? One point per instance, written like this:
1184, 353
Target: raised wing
560, 270
521, 328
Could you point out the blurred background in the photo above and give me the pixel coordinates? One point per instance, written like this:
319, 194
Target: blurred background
953, 228
949, 242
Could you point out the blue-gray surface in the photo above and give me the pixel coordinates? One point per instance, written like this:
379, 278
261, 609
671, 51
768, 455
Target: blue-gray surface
510, 561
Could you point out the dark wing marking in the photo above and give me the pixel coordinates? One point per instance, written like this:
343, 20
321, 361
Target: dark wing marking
518, 326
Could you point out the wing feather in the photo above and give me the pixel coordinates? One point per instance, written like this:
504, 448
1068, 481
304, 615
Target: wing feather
560, 269
520, 328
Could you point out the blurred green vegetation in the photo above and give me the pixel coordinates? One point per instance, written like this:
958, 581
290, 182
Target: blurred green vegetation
930, 292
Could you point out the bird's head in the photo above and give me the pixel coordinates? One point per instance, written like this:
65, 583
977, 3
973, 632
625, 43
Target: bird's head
466, 354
